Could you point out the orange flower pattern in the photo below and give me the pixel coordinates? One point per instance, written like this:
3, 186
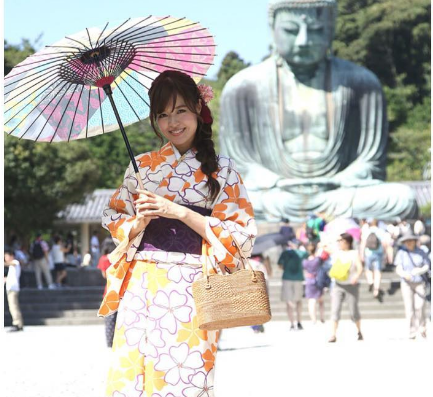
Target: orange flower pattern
159, 349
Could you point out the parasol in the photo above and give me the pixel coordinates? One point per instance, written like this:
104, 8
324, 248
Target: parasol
343, 225
267, 241
97, 80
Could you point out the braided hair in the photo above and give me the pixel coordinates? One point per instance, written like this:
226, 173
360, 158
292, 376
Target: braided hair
168, 85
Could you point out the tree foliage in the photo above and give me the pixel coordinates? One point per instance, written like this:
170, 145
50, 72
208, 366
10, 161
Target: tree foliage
41, 179
14, 54
231, 64
109, 151
392, 38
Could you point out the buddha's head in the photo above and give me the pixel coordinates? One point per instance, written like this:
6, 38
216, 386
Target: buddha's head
303, 29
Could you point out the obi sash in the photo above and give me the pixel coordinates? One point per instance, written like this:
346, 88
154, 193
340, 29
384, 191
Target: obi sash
172, 235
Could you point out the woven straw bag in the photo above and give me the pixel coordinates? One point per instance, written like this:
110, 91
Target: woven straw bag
231, 300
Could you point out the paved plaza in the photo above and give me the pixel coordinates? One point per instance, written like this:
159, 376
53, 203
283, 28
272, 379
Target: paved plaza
72, 361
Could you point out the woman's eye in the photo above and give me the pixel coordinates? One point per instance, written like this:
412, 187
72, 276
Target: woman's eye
181, 111
291, 30
162, 115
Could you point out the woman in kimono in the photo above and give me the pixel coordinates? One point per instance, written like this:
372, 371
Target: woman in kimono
193, 206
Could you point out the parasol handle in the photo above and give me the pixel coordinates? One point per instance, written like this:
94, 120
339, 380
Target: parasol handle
109, 92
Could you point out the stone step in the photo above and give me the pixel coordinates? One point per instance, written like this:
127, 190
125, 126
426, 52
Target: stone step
385, 283
64, 321
363, 298
60, 313
38, 301
64, 291
48, 306
362, 306
75, 277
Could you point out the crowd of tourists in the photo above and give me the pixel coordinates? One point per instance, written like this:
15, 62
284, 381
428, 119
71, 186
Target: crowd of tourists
50, 258
318, 259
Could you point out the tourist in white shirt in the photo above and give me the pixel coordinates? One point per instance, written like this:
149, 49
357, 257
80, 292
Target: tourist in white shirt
94, 248
13, 290
58, 251
411, 263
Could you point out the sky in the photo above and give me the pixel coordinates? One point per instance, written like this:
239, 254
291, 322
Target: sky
237, 25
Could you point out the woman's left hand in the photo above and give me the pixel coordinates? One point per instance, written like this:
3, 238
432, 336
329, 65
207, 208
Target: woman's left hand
155, 205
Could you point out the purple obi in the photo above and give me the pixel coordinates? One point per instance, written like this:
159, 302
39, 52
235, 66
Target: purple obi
172, 235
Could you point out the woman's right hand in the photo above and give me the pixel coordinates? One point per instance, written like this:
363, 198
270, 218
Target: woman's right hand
141, 221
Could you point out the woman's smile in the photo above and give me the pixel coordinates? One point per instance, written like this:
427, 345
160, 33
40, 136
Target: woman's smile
178, 124
177, 132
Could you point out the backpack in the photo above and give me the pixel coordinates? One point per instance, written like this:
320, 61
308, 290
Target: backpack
37, 251
310, 230
322, 278
372, 242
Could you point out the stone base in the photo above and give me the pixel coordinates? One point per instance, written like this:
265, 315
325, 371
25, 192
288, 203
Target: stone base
81, 277
265, 227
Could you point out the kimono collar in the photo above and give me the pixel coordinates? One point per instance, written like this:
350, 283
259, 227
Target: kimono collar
189, 154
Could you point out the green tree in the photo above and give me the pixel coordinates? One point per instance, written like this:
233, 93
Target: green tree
392, 38
41, 179
14, 54
231, 64
109, 151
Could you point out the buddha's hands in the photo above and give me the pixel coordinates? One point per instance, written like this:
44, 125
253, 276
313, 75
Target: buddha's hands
151, 206
319, 184
260, 178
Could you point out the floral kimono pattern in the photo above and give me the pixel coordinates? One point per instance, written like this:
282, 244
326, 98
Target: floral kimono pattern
158, 349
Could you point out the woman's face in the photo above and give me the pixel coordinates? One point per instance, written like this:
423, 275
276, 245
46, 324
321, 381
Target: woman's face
410, 244
178, 124
343, 244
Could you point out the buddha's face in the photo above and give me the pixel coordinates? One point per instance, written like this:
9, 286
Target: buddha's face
302, 35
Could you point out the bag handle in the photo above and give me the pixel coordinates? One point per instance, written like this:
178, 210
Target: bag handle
243, 260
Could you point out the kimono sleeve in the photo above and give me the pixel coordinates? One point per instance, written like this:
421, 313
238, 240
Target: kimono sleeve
232, 218
119, 215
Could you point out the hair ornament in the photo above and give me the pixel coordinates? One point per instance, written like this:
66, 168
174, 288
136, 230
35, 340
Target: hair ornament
206, 92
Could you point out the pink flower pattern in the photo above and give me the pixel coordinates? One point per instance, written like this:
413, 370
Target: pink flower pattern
170, 309
179, 364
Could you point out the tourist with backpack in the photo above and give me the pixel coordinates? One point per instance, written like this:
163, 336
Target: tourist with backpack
39, 251
313, 292
372, 252
345, 270
292, 291
315, 225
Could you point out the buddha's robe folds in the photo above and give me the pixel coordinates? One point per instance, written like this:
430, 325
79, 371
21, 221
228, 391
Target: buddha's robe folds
324, 151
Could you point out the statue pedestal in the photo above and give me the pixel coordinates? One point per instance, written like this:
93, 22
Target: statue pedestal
265, 227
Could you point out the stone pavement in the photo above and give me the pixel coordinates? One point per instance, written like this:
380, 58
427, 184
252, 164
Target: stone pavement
72, 361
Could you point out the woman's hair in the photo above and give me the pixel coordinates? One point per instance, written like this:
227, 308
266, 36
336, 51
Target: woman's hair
313, 244
167, 86
348, 238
